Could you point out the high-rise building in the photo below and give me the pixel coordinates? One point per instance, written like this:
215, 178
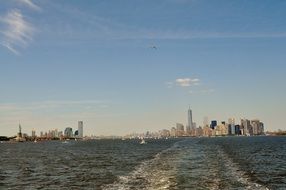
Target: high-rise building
80, 129
231, 126
206, 121
213, 124
188, 130
190, 119
173, 132
257, 126
33, 133
246, 128
231, 121
20, 131
180, 130
68, 132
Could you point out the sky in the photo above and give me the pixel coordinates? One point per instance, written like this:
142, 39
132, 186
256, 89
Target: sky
136, 65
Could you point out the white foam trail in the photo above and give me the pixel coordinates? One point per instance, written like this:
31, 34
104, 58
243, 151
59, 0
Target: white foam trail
148, 175
200, 166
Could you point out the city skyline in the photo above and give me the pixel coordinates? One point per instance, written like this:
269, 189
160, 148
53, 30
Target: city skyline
207, 129
94, 61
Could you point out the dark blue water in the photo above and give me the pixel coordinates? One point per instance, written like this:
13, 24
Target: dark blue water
194, 163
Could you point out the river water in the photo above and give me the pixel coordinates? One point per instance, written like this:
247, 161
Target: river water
189, 163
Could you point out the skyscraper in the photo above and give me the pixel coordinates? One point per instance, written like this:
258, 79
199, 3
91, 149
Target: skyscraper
206, 121
68, 132
80, 129
190, 119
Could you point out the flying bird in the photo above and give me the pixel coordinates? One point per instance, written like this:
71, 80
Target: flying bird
153, 47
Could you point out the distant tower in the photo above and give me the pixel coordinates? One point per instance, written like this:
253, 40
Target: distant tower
33, 133
190, 119
80, 129
206, 121
20, 130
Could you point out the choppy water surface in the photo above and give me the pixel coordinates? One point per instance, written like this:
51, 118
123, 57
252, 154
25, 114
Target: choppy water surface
193, 163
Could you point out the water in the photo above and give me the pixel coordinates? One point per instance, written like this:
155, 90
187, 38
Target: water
193, 163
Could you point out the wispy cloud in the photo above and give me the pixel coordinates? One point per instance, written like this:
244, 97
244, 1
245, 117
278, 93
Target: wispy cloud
190, 85
48, 105
169, 84
17, 31
30, 4
204, 91
185, 82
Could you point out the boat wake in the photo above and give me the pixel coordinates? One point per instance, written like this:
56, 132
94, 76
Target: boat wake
187, 164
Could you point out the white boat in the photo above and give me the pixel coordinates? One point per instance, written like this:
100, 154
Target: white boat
143, 142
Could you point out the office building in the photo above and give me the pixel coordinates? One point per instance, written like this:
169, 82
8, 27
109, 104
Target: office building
190, 119
180, 130
213, 124
68, 132
33, 133
80, 129
206, 121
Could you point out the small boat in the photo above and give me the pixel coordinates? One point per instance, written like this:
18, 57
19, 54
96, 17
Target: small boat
143, 142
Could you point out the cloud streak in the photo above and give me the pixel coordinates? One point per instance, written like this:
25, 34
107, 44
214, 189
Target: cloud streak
17, 31
186, 82
183, 82
30, 4
51, 105
204, 91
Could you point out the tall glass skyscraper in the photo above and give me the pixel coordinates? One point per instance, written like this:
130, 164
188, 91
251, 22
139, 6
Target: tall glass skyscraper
190, 119
80, 129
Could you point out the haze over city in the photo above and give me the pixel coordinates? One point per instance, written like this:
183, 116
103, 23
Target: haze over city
133, 66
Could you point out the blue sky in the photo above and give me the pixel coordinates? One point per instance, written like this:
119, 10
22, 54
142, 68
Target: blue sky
62, 61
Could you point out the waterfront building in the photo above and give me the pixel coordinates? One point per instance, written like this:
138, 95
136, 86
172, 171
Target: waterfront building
164, 133
20, 132
80, 129
60, 134
180, 130
257, 126
33, 133
206, 121
199, 131
231, 126
213, 124
207, 131
221, 130
188, 130
231, 121
68, 132
190, 119
247, 128
56, 133
232, 129
173, 132
237, 130
194, 125
21, 137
